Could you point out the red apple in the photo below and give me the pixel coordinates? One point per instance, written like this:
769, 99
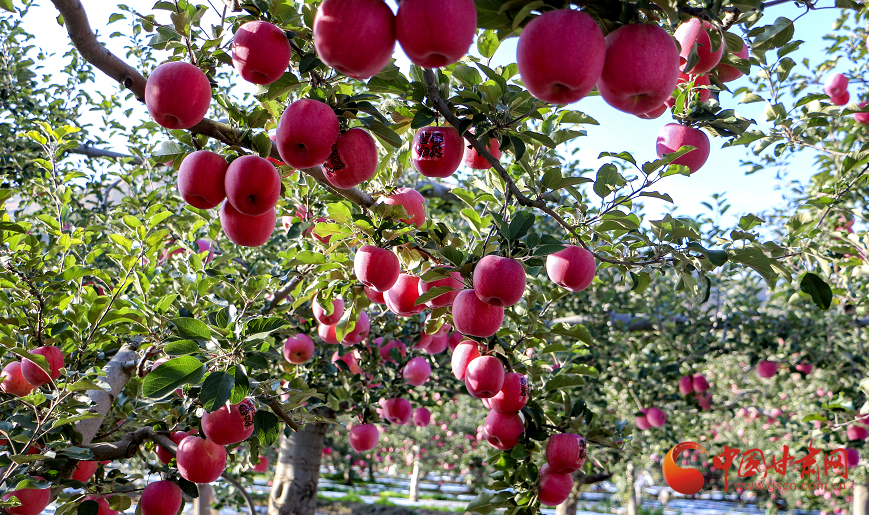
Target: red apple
33, 500
350, 360
359, 332
474, 160
417, 371
699, 80
686, 385
654, 113
374, 295
852, 457
298, 349
842, 99
694, 32
572, 268
566, 452
464, 353
705, 401
766, 369
642, 422
435, 34
34, 374
244, 230
13, 381
276, 162
499, 281
438, 344
253, 185
502, 430
384, 350
421, 417
856, 433
727, 73
260, 52
376, 268
103, 502
177, 95
412, 201
561, 55
161, 498
553, 488
200, 179
455, 339
205, 246
641, 68
700, 383
861, 117
836, 85
484, 377
397, 410
229, 425
84, 470
473, 317
306, 132
200, 460
424, 342
327, 333
262, 465
437, 151
401, 297
328, 318
673, 136
513, 395
364, 437
805, 368
656, 417
353, 159
165, 456
356, 37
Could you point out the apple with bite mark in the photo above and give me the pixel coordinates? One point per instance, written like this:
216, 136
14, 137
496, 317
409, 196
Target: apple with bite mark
177, 95
260, 52
435, 34
566, 452
397, 410
298, 349
694, 32
401, 297
306, 132
437, 151
445, 299
474, 160
14, 382
641, 68
200, 460
200, 179
499, 281
572, 268
34, 374
328, 318
376, 268
473, 317
161, 498
417, 371
244, 230
364, 437
253, 185
484, 377
673, 136
553, 488
503, 430
353, 159
464, 353
513, 395
412, 201
356, 37
229, 425
560, 55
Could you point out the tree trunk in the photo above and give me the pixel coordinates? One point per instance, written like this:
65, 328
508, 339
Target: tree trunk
861, 500
298, 471
631, 501
414, 480
202, 504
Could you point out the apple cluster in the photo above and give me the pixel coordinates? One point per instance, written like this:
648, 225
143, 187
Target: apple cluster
699, 385
565, 454
20, 378
836, 87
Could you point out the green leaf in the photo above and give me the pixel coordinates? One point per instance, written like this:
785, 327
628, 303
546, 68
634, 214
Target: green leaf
259, 328
488, 43
467, 75
576, 331
563, 381
386, 134
192, 329
216, 390
88, 507
432, 293
607, 180
818, 289
181, 347
267, 427
6, 5
164, 379
749, 222
521, 224
640, 282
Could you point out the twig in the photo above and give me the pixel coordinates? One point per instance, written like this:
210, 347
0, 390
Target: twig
282, 293
279, 411
841, 193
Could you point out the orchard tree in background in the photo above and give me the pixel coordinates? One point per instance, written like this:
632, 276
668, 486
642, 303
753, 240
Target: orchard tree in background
315, 263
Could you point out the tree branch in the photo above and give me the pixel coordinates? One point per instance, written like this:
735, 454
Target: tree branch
242, 491
279, 411
128, 446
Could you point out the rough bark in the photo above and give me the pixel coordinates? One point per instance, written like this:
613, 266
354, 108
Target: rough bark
295, 484
861, 500
118, 372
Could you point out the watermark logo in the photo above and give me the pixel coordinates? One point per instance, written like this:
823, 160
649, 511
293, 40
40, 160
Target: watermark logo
686, 481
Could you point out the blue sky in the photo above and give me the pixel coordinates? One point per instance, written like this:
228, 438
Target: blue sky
617, 131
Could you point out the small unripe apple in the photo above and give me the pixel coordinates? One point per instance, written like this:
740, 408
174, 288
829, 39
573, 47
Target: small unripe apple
364, 437
401, 297
14, 382
766, 369
560, 55
674, 136
385, 349
464, 353
421, 417
694, 32
84, 470
855, 432
566, 452
350, 360
306, 132
435, 34
572, 268
229, 425
437, 151
161, 498
328, 318
253, 185
513, 396
165, 456
553, 488
656, 417
836, 85
200, 460
359, 332
376, 268
34, 374
244, 230
499, 281
686, 385
356, 37
484, 377
474, 160
503, 430
397, 410
412, 201
103, 502
699, 383
177, 95
473, 317
727, 73
298, 349
417, 371
200, 179
353, 159
260, 52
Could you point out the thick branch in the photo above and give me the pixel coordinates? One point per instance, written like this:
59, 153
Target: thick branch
128, 446
594, 478
89, 151
118, 372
